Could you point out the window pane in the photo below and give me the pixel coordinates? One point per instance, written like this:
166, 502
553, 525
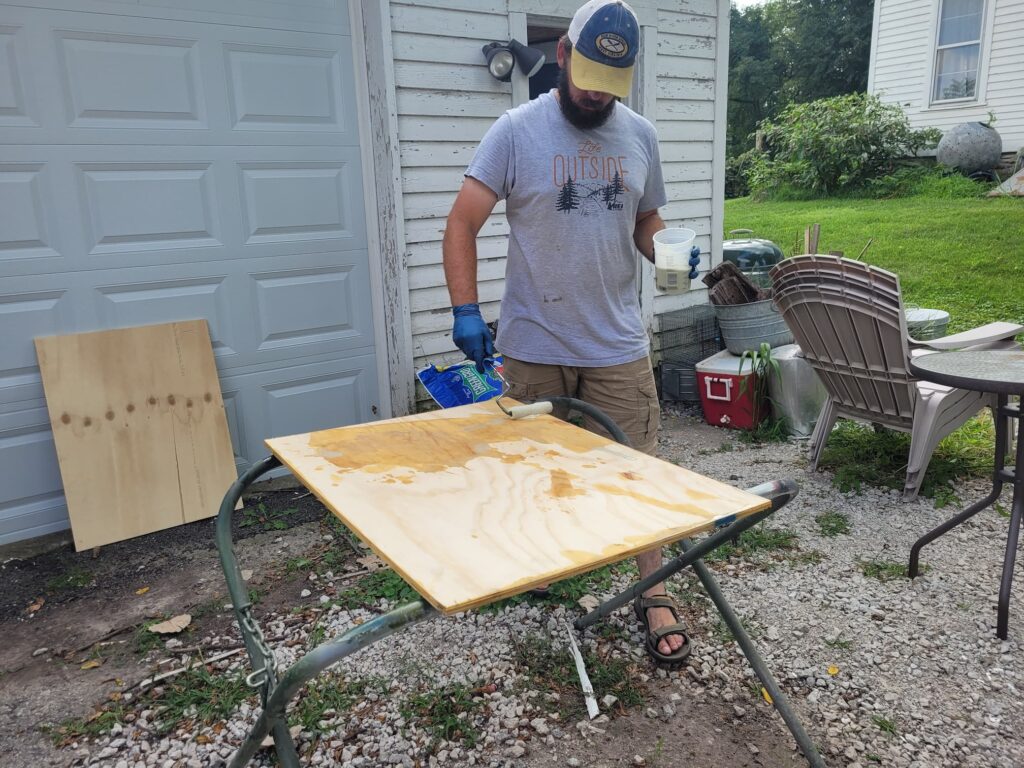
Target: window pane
960, 21
956, 72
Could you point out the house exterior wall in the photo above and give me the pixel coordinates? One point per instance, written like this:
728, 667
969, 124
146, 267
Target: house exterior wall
445, 100
902, 61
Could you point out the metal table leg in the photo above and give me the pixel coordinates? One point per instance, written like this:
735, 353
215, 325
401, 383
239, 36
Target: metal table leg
276, 693
1016, 477
1000, 475
781, 492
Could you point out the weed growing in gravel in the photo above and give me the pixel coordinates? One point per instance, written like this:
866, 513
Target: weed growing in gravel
884, 570
327, 698
770, 430
885, 725
97, 724
368, 591
73, 578
754, 540
838, 642
861, 456
200, 695
274, 520
446, 713
553, 669
833, 524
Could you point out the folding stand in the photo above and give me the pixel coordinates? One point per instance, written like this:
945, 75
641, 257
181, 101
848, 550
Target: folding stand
276, 690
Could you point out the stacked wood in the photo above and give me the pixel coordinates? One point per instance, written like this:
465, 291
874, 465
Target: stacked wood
728, 285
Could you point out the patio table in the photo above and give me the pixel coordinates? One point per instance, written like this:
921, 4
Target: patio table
470, 506
1001, 373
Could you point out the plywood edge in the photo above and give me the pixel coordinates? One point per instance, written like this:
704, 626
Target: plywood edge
527, 584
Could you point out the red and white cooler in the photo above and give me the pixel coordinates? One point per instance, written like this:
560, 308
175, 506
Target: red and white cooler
727, 401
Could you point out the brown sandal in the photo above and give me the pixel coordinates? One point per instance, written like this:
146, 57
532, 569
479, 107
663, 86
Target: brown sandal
671, 660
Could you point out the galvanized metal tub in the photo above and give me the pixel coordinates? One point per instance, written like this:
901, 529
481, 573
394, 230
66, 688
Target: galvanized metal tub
747, 326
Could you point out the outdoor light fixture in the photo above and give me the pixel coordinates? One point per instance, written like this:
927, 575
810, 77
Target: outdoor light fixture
502, 58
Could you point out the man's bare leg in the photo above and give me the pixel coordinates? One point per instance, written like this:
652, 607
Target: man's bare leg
648, 563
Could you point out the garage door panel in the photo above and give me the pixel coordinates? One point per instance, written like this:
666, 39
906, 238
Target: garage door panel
15, 105
274, 89
131, 81
293, 201
147, 207
26, 199
298, 399
302, 307
43, 307
30, 486
170, 300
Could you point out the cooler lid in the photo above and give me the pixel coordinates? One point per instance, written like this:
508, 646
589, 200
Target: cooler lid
723, 362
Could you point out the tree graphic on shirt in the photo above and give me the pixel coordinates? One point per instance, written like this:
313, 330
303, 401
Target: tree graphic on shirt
568, 197
610, 194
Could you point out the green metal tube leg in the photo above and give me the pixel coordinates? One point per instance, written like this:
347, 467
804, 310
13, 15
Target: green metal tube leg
312, 664
757, 663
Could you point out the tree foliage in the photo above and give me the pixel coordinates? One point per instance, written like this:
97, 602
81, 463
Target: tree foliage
791, 51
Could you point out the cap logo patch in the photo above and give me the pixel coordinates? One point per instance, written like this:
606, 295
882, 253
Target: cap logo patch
611, 45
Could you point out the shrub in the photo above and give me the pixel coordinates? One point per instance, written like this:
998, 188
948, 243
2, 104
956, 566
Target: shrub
834, 145
736, 170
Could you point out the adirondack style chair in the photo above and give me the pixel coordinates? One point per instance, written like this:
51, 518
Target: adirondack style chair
848, 319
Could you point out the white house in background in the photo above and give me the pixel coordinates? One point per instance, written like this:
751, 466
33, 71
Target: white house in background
282, 169
952, 61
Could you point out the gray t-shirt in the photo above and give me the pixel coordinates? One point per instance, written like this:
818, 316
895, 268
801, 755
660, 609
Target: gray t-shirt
571, 201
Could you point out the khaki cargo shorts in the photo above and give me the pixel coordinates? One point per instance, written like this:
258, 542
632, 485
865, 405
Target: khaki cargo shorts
625, 392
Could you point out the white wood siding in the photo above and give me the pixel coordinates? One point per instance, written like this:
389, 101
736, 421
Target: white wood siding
446, 101
902, 58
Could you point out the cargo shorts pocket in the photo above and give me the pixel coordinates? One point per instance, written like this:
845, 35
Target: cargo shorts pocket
648, 414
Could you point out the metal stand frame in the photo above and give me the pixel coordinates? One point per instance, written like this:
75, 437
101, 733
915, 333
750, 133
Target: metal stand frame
277, 690
1000, 475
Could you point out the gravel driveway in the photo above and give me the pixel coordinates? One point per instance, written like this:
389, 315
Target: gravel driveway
882, 671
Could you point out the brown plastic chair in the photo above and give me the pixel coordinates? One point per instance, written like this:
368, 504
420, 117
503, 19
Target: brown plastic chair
848, 319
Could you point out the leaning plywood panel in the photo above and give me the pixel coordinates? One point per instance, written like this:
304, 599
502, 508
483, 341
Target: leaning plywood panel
139, 425
470, 506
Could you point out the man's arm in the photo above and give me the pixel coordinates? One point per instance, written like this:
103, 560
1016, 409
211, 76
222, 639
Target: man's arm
647, 223
473, 205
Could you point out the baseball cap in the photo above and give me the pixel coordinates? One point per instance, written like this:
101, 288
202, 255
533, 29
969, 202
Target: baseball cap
605, 37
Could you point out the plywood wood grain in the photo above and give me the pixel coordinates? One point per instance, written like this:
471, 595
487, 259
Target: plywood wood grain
139, 424
470, 506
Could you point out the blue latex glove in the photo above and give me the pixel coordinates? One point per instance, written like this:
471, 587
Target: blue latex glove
471, 334
694, 262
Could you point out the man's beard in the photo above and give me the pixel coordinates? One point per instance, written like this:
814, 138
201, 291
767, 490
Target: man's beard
581, 118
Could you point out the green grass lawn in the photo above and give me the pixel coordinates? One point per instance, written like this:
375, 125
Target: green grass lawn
965, 256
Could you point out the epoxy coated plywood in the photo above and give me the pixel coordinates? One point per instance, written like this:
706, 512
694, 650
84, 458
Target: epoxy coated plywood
139, 425
470, 506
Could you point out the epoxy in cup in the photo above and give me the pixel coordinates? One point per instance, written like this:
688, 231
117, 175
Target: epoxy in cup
672, 259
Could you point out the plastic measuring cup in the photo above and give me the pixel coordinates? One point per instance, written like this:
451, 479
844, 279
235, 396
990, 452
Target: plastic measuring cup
672, 259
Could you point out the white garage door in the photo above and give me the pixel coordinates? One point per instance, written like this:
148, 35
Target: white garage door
160, 163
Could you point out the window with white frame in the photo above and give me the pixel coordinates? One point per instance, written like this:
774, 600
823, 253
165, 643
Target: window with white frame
958, 49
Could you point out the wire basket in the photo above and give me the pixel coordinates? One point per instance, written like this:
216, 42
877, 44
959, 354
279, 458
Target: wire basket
687, 336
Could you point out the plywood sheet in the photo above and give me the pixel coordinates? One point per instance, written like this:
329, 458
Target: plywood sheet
139, 424
470, 506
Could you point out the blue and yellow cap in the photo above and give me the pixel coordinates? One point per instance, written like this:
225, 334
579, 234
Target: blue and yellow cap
605, 39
